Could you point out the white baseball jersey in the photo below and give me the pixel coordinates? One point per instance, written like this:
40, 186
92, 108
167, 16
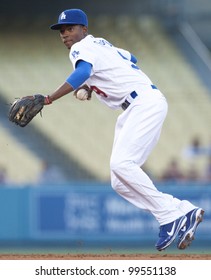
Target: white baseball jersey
113, 75
138, 128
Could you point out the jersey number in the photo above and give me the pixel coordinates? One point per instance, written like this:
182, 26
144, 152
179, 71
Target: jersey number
99, 91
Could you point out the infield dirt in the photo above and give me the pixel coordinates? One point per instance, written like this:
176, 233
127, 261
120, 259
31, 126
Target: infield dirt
105, 257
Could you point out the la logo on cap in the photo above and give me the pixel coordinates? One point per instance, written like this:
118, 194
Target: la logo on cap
63, 16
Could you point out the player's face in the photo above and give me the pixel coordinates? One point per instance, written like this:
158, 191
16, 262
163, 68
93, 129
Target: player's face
71, 34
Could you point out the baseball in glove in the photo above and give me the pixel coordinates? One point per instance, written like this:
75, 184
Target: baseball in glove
24, 109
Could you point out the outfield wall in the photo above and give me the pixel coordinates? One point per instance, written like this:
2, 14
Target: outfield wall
87, 213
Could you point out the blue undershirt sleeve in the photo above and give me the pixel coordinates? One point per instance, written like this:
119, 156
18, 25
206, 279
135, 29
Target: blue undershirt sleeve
132, 57
81, 73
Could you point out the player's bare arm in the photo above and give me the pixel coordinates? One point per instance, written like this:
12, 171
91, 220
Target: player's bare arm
64, 89
74, 81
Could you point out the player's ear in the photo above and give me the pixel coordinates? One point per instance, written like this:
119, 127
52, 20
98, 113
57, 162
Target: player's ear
85, 29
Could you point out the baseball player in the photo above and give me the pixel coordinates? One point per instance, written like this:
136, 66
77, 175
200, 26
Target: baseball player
112, 74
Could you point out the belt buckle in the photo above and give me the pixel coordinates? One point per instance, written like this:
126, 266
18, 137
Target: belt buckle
127, 103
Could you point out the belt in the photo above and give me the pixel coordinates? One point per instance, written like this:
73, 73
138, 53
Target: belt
132, 95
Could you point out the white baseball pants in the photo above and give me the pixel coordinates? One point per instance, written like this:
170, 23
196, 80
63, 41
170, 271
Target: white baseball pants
137, 131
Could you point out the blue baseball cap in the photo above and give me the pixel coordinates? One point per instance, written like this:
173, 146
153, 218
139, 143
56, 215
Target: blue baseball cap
72, 16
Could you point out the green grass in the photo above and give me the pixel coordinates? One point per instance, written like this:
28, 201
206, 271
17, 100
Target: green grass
69, 250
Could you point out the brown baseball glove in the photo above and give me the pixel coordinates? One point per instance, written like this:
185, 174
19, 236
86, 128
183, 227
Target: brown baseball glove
24, 109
